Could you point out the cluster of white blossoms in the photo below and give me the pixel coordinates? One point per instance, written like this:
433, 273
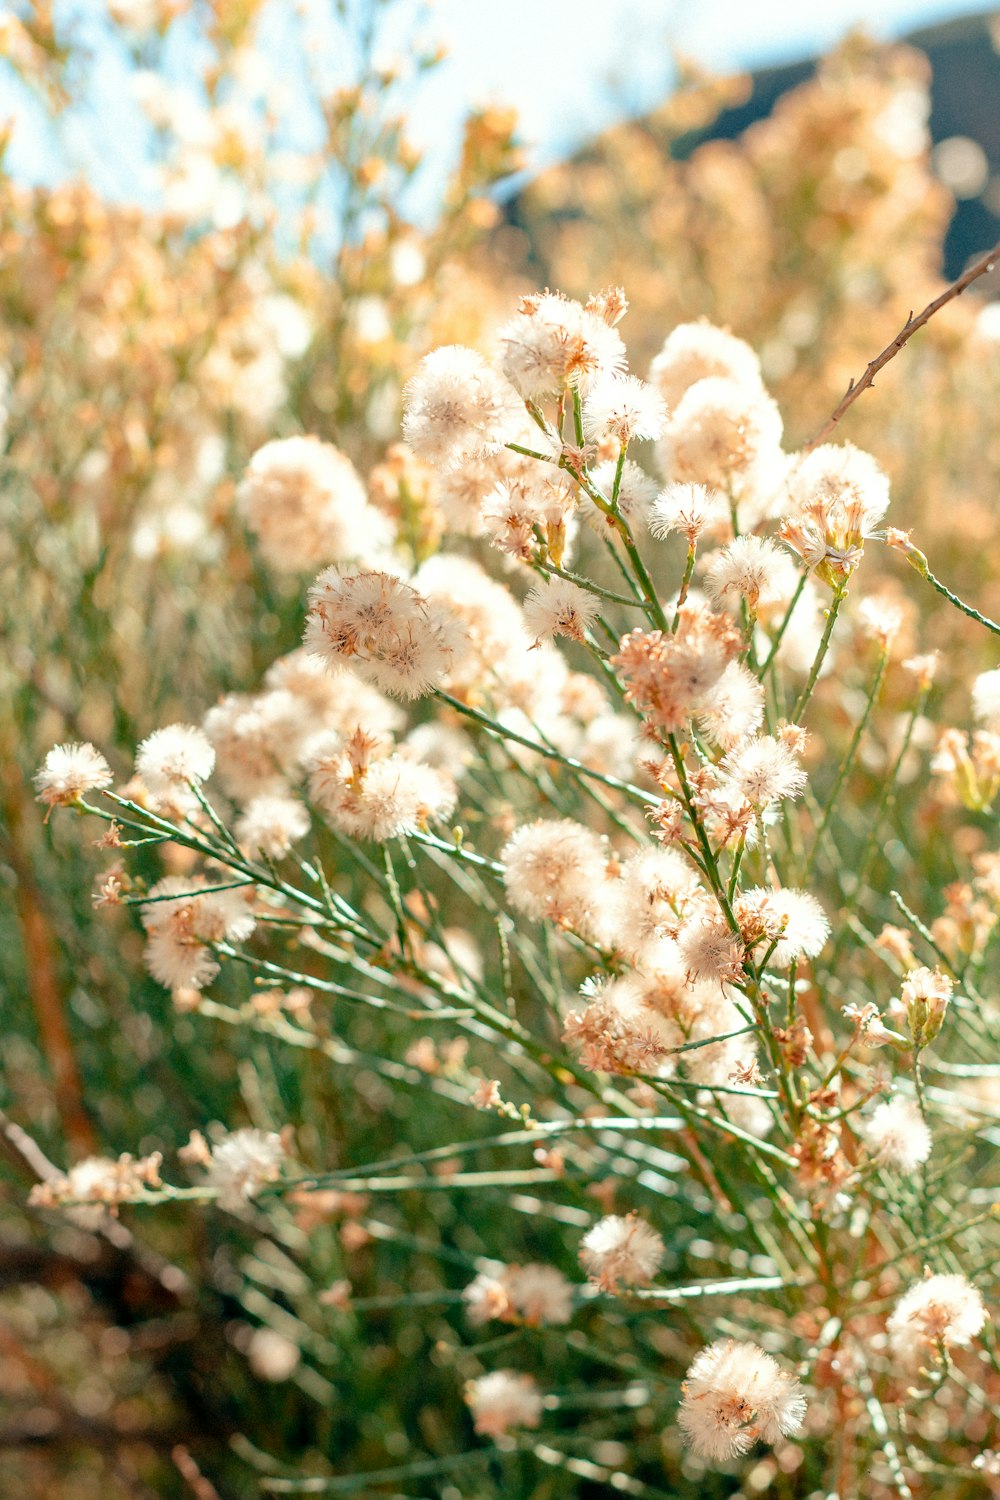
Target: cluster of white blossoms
696, 950
534, 1294
99, 1181
305, 503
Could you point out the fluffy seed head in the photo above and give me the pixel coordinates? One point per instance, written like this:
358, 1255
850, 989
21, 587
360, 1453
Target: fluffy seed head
270, 824
735, 1394
556, 870
457, 404
304, 502
720, 434
552, 342
622, 407
174, 757
688, 509
242, 1163
68, 771
381, 627
752, 568
621, 1251
897, 1135
502, 1400
764, 771
694, 351
560, 607
945, 1309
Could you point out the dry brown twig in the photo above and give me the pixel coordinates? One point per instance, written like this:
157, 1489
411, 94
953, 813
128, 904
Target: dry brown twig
980, 267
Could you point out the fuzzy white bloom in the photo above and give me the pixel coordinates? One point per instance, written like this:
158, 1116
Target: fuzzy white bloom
502, 1400
381, 627
560, 607
557, 870
881, 619
242, 1163
694, 351
68, 771
897, 1135
721, 434
623, 407
764, 771
688, 509
457, 404
303, 500
182, 919
839, 484
258, 740
271, 824
621, 1250
735, 709
535, 1294
656, 888
636, 491
986, 699
794, 918
552, 342
735, 1394
709, 950
838, 495
390, 797
173, 757
752, 568
945, 1309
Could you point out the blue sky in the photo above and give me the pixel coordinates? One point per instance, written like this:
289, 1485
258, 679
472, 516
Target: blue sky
571, 66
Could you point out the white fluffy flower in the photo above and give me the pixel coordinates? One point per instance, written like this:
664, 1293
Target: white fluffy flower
182, 919
792, 920
945, 1309
764, 770
735, 1394
173, 757
535, 1294
552, 342
456, 404
621, 1250
380, 627
68, 771
242, 1163
303, 500
390, 797
721, 434
688, 509
502, 1400
270, 824
560, 607
752, 568
694, 351
986, 699
897, 1135
735, 708
623, 407
557, 870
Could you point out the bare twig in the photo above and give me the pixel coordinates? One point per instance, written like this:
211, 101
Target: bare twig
979, 267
